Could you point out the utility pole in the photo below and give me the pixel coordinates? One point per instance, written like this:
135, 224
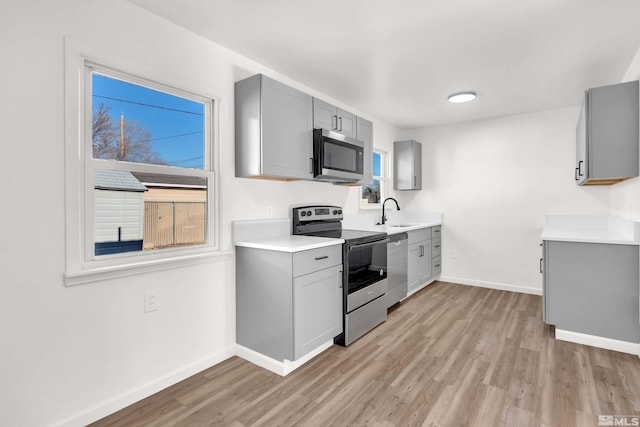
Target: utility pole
121, 136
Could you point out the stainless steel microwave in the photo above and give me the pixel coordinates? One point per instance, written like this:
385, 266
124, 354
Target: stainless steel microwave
336, 157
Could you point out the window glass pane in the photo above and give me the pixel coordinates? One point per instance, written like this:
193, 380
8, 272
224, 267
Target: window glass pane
371, 193
137, 124
142, 211
377, 164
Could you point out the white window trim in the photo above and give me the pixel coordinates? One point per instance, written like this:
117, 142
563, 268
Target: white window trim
81, 266
383, 182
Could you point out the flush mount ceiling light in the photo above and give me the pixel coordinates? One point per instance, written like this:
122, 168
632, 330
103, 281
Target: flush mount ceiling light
461, 97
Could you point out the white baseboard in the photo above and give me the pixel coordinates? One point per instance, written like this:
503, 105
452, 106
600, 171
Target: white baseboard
277, 367
492, 285
595, 341
112, 405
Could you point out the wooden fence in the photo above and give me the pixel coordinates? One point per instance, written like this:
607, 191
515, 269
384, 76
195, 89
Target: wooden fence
173, 224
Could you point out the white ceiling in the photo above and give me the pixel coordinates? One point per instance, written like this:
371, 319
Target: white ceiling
399, 60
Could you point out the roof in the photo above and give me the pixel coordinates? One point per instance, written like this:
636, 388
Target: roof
162, 180
107, 179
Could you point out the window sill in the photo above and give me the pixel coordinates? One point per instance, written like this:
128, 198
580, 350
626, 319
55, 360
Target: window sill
73, 278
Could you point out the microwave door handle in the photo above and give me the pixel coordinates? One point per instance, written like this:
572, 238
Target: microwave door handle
364, 245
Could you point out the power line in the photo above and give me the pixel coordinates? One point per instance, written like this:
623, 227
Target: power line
174, 136
148, 105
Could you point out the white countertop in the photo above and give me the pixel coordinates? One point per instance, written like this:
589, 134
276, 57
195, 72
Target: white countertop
591, 229
390, 229
289, 243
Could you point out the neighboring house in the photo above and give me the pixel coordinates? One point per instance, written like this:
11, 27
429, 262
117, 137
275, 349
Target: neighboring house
175, 209
119, 212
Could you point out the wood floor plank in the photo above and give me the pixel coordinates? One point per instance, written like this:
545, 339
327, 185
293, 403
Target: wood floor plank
449, 355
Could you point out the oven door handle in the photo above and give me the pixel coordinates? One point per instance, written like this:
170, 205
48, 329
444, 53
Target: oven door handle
364, 245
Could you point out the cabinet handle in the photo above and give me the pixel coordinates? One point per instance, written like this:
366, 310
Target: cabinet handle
311, 165
415, 181
421, 250
437, 265
318, 258
580, 167
340, 118
436, 246
334, 127
540, 265
576, 174
436, 231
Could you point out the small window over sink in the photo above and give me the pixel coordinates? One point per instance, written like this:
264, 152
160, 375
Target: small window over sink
372, 195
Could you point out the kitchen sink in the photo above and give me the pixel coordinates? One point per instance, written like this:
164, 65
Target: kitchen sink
401, 225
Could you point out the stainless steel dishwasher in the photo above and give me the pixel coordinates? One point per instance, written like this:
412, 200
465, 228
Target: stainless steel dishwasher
396, 268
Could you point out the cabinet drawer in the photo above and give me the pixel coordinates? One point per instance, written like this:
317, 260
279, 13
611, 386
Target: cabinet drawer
419, 235
436, 247
436, 265
435, 231
306, 262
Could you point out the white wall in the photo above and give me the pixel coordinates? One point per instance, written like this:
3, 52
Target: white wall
625, 200
494, 180
69, 354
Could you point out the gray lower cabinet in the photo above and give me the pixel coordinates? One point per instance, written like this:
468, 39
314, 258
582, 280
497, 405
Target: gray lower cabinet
592, 288
288, 304
419, 260
327, 116
407, 165
607, 135
274, 130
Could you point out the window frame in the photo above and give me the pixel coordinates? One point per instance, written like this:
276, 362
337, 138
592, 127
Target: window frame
384, 169
82, 265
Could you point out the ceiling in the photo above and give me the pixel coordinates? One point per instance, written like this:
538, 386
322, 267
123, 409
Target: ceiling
399, 61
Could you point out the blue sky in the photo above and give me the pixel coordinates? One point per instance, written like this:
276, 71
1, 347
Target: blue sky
176, 124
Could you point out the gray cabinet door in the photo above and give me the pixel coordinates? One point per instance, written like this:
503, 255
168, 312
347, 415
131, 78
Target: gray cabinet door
607, 134
364, 133
327, 116
407, 165
418, 264
324, 115
317, 309
592, 288
287, 117
273, 130
346, 123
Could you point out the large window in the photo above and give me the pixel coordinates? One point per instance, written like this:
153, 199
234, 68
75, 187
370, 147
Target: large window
147, 165
373, 195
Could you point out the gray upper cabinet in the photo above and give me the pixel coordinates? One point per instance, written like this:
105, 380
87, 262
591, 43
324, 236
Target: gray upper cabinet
607, 135
327, 116
274, 130
364, 133
407, 165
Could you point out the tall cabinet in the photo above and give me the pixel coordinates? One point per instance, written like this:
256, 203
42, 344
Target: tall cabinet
607, 135
274, 130
407, 165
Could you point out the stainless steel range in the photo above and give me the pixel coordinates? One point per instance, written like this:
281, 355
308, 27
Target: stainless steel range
364, 258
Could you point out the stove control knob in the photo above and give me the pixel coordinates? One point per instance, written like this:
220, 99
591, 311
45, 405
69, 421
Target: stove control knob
335, 212
308, 213
340, 211
303, 213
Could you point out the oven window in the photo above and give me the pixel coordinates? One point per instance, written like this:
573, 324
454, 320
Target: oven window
342, 157
367, 265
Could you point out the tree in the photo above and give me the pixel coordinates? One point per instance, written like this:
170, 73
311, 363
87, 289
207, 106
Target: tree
106, 139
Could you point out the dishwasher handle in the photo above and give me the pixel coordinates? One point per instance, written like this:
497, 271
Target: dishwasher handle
395, 238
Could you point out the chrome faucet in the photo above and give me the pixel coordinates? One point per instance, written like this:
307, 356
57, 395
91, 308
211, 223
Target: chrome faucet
384, 218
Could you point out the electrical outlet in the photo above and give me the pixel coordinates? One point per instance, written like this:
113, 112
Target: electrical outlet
150, 301
269, 211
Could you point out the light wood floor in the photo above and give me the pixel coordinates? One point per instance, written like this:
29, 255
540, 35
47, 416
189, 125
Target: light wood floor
450, 355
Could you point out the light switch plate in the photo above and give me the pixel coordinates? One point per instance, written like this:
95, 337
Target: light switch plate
150, 301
